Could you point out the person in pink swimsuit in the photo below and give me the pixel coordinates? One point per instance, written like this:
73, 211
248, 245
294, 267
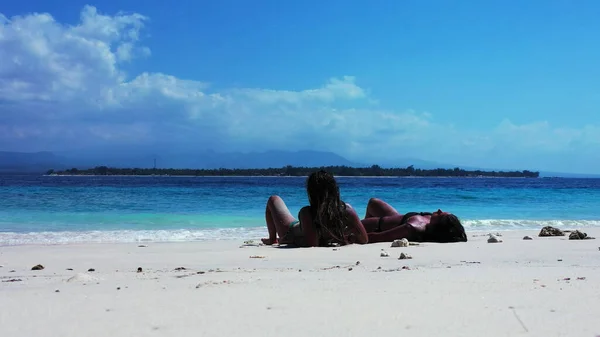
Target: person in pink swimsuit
383, 223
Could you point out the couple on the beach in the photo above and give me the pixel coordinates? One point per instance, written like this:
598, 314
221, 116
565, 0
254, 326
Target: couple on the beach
327, 219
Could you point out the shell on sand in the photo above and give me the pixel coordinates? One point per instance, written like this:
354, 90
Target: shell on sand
400, 243
82, 277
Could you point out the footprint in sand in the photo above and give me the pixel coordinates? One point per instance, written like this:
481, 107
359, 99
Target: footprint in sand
82, 277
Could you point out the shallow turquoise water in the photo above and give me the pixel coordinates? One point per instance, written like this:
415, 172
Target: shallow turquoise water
38, 209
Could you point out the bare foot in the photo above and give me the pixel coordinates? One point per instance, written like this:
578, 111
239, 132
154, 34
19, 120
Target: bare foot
268, 242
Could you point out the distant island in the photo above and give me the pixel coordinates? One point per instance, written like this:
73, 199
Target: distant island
373, 171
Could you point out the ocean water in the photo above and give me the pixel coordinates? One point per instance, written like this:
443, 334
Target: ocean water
54, 210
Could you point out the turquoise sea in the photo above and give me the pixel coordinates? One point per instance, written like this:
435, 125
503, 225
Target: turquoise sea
53, 209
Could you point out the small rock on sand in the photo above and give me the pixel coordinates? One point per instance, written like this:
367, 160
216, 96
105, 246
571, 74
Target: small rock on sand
578, 235
527, 237
551, 231
139, 270
384, 253
404, 256
400, 243
37, 267
493, 239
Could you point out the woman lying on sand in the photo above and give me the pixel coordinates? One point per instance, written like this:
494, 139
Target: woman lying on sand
326, 220
385, 224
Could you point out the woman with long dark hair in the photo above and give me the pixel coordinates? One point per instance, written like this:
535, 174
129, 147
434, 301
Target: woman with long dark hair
326, 220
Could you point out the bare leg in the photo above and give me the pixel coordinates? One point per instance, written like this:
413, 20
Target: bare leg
377, 208
278, 218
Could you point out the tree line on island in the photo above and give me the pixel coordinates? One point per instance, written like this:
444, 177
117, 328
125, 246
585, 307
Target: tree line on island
373, 171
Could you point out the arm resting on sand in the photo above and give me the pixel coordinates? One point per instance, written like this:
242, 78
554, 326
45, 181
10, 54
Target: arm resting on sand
404, 231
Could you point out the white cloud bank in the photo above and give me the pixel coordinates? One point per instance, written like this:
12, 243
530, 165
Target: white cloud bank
62, 87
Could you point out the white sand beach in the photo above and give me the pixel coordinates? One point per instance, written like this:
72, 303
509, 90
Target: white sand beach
542, 287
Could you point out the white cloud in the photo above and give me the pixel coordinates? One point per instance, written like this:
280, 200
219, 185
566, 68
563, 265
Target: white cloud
541, 136
62, 86
41, 59
344, 88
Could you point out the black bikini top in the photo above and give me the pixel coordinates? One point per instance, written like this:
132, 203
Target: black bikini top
411, 214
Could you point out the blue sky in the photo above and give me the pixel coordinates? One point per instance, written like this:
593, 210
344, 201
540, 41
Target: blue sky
504, 84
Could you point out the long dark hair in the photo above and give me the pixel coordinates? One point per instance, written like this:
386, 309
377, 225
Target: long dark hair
326, 207
449, 229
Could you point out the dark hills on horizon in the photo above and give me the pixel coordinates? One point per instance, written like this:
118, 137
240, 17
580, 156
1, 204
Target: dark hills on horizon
41, 162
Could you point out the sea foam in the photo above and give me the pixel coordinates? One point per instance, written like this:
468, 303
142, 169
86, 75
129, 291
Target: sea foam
240, 233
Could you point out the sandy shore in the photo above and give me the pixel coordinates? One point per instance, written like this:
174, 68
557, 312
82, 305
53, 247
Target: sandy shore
543, 287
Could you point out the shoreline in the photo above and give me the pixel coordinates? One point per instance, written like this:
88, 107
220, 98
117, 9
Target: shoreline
34, 239
536, 287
